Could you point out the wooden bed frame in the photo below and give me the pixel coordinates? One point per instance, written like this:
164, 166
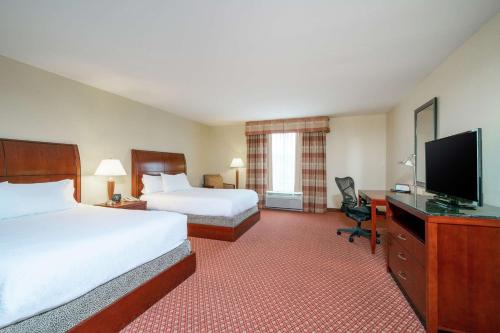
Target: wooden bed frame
154, 163
38, 162
34, 162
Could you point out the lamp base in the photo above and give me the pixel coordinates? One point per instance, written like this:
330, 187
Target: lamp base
111, 188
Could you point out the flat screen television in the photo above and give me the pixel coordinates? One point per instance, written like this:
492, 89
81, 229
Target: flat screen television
453, 168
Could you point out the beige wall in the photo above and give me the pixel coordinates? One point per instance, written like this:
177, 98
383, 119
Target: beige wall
37, 105
355, 147
227, 142
467, 85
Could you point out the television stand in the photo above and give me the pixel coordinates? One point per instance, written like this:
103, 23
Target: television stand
451, 203
446, 262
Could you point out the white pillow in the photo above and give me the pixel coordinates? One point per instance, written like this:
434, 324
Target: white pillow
172, 183
27, 199
151, 184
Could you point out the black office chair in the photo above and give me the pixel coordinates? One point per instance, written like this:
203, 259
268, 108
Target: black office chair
357, 213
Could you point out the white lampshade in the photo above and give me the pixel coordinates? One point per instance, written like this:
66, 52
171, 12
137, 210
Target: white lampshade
237, 163
110, 167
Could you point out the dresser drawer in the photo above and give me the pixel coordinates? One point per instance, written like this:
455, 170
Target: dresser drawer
411, 243
408, 272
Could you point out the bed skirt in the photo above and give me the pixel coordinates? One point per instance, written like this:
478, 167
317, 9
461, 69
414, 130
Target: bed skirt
66, 316
222, 221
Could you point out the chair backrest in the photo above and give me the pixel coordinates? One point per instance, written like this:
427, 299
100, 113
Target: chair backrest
346, 187
214, 181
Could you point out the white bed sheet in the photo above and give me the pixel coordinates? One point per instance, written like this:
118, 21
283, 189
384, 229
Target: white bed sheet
49, 259
203, 201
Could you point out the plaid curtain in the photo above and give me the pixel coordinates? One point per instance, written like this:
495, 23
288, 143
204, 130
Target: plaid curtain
257, 165
294, 125
314, 171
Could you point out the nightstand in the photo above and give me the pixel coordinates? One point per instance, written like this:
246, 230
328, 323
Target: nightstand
136, 205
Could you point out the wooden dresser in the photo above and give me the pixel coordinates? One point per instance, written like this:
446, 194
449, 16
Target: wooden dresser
446, 262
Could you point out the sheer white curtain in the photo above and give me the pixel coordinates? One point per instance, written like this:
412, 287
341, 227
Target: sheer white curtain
284, 162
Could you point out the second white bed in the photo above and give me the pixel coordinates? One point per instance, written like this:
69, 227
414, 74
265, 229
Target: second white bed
49, 259
203, 201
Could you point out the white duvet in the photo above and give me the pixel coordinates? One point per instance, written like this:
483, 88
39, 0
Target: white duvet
49, 259
203, 201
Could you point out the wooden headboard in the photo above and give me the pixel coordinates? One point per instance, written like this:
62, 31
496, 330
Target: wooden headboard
37, 162
153, 163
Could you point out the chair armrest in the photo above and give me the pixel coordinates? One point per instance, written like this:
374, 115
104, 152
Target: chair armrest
226, 185
208, 186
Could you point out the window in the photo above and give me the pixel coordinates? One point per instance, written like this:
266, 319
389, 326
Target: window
283, 147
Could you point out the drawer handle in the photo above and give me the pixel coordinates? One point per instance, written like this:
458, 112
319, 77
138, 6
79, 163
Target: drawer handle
402, 275
400, 236
401, 256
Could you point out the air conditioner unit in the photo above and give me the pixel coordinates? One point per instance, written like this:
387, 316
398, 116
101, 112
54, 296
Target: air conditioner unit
280, 200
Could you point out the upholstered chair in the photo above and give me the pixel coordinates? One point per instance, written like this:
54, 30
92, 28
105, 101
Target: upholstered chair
215, 181
359, 213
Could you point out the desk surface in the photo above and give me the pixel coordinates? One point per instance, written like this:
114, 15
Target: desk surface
373, 194
425, 204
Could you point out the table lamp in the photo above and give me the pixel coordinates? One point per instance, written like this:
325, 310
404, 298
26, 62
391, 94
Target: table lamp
410, 161
110, 167
237, 163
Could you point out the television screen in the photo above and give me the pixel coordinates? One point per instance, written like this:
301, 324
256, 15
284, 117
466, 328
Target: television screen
453, 166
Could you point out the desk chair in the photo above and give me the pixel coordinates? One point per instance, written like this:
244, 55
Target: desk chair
357, 213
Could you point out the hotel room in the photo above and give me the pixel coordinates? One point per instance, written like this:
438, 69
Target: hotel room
259, 166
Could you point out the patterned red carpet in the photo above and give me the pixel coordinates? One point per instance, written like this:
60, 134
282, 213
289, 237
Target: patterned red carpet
290, 272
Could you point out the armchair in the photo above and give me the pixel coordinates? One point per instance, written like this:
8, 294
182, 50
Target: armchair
215, 181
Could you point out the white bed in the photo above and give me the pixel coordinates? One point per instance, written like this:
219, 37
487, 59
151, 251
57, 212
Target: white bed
203, 201
49, 259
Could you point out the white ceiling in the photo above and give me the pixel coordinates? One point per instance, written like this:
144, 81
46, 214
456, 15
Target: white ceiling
226, 61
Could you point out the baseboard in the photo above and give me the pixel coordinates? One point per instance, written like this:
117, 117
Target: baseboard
338, 210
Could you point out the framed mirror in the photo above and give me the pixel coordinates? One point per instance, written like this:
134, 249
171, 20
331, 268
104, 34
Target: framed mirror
425, 130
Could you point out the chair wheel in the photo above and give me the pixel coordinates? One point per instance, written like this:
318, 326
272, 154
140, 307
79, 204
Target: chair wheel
339, 233
377, 241
351, 239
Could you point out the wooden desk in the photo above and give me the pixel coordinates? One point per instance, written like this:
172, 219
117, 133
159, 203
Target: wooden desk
376, 198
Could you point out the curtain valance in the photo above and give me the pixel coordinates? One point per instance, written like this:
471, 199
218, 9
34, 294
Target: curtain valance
297, 125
